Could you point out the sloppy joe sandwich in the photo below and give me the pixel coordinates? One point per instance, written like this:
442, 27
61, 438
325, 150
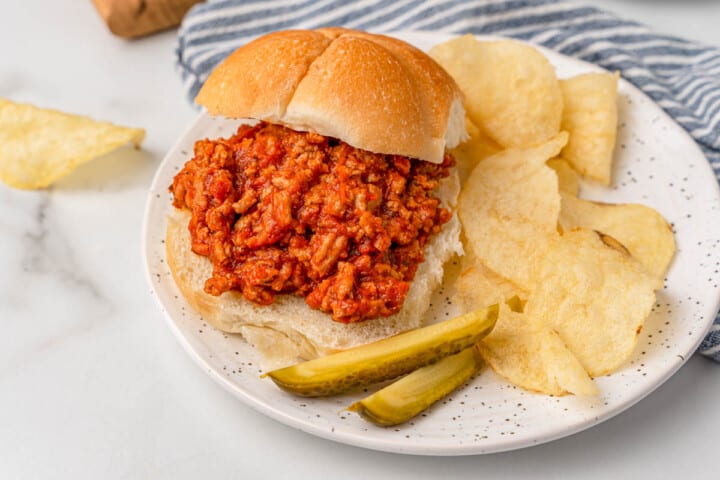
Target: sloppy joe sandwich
324, 222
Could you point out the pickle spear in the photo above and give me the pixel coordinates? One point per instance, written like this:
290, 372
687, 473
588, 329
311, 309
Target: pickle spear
387, 358
405, 398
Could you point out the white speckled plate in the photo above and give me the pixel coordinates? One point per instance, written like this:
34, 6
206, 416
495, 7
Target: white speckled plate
657, 164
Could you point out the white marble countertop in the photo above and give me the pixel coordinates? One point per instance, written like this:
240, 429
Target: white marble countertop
93, 384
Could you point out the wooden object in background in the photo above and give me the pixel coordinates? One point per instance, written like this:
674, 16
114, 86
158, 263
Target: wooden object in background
134, 18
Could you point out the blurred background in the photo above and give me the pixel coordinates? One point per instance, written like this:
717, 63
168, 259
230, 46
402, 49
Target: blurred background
692, 19
695, 19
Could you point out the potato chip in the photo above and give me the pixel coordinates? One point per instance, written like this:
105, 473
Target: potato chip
528, 354
590, 116
568, 179
519, 182
472, 129
39, 146
468, 154
509, 209
595, 297
477, 286
520, 348
643, 231
511, 91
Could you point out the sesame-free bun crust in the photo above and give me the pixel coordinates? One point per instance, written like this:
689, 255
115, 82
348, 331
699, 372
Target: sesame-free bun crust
374, 92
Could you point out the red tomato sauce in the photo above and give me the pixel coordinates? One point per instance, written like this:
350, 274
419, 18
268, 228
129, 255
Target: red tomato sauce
284, 212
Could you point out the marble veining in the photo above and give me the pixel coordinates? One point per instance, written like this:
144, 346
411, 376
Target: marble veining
46, 251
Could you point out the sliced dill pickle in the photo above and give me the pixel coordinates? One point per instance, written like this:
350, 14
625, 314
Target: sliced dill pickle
406, 398
387, 358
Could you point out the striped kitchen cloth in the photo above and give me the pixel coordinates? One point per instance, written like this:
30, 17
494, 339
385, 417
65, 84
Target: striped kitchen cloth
683, 77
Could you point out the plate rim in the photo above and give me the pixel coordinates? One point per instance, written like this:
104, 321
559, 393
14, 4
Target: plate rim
357, 439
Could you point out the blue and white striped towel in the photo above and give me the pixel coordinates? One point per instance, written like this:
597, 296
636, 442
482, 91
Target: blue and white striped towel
683, 77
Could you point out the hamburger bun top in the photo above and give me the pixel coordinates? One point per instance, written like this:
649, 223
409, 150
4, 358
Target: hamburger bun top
374, 92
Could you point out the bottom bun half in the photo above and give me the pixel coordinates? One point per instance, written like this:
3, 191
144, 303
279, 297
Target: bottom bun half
289, 329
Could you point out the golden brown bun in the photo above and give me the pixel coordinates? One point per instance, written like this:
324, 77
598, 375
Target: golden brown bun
288, 328
374, 92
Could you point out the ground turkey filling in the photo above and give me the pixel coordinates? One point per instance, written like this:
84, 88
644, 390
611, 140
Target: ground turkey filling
285, 212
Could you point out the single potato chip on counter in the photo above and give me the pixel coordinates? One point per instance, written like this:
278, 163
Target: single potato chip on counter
595, 296
526, 352
568, 178
511, 90
39, 146
646, 235
591, 117
509, 209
